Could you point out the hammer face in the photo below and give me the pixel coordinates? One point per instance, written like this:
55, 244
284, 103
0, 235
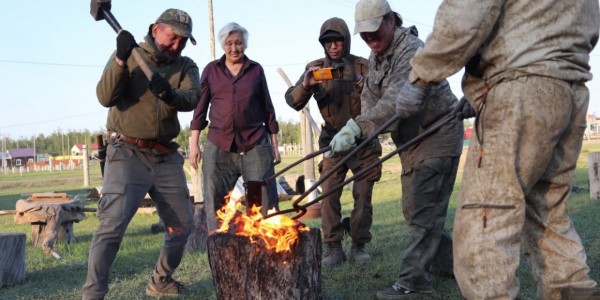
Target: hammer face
97, 8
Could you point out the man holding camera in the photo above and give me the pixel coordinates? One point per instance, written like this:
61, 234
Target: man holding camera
336, 82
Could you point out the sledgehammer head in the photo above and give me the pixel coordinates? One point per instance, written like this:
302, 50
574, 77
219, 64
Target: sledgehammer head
98, 7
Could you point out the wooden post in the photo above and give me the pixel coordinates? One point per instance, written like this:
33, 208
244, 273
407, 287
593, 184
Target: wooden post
306, 123
245, 270
12, 258
197, 239
594, 175
86, 168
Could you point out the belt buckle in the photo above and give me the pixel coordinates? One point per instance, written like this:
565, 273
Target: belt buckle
143, 143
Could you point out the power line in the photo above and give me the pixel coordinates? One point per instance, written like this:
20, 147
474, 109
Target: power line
48, 63
52, 120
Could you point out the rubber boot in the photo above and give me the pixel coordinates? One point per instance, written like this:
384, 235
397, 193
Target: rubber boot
359, 255
335, 255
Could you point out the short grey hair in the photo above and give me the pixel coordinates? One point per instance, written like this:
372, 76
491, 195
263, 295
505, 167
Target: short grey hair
233, 27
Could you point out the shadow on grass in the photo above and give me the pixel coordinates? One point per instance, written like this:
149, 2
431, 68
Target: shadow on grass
48, 278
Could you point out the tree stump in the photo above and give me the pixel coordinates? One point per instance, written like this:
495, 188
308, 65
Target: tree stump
12, 258
197, 239
245, 270
65, 233
51, 220
594, 175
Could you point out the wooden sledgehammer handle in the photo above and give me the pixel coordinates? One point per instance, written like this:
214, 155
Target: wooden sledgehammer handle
100, 9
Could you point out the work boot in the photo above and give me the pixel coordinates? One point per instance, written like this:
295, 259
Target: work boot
164, 287
335, 255
359, 255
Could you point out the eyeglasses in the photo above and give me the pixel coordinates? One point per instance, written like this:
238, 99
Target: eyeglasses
337, 44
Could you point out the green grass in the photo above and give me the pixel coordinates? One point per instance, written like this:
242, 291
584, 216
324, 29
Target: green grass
48, 278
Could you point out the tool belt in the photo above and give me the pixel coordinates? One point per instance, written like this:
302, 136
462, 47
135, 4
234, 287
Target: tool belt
140, 143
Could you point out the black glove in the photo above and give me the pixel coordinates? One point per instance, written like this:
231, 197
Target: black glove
125, 44
467, 111
161, 88
410, 99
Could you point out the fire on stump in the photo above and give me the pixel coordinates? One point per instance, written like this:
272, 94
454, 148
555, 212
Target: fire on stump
274, 258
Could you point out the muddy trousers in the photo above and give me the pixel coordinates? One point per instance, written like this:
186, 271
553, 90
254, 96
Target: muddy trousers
129, 175
426, 190
361, 217
527, 139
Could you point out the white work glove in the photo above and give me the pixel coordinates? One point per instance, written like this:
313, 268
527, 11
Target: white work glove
345, 139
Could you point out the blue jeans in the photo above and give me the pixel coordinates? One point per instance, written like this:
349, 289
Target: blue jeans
221, 169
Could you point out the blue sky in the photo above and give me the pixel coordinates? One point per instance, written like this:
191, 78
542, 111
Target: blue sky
54, 52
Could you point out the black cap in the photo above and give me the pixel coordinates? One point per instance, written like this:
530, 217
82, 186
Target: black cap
330, 36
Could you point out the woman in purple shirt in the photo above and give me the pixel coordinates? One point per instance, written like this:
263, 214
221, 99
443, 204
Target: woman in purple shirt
242, 135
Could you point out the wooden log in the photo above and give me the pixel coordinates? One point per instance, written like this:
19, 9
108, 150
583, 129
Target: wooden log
594, 175
12, 258
49, 197
197, 239
245, 270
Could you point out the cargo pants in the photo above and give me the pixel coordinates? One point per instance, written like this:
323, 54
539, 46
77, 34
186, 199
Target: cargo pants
361, 217
130, 173
426, 190
530, 134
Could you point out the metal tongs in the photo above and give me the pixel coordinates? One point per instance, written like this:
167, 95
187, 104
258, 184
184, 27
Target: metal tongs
301, 209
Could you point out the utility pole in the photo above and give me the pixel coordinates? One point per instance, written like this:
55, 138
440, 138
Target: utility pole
211, 28
34, 152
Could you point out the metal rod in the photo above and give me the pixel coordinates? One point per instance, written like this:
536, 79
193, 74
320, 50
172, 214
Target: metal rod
111, 19
309, 156
364, 170
301, 209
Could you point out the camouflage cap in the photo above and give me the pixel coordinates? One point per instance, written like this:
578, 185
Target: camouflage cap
368, 15
180, 22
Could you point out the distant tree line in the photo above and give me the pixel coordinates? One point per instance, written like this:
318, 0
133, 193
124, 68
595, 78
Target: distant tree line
60, 143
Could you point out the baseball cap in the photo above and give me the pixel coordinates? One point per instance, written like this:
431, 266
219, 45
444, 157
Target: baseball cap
180, 22
330, 35
368, 15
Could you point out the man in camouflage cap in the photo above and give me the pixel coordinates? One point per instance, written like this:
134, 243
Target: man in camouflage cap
180, 22
142, 157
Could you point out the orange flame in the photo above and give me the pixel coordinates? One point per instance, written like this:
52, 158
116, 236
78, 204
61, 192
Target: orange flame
278, 232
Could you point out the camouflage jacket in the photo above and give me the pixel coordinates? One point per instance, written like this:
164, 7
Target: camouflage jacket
388, 72
505, 39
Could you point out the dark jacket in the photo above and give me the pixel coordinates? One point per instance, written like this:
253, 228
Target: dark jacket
134, 110
338, 99
241, 111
